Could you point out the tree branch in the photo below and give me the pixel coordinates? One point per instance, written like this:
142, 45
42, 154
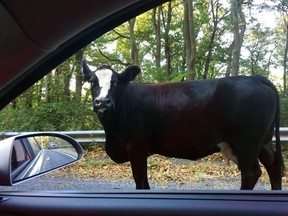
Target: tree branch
112, 59
121, 35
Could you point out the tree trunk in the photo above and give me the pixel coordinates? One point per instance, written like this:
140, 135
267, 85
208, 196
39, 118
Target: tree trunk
285, 56
67, 80
134, 48
78, 75
167, 48
28, 95
209, 55
190, 38
239, 27
156, 21
229, 60
215, 21
48, 80
63, 71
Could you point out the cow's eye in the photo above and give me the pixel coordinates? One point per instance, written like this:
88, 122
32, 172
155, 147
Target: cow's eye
115, 83
93, 84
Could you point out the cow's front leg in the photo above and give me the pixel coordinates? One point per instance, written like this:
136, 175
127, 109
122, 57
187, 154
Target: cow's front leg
139, 170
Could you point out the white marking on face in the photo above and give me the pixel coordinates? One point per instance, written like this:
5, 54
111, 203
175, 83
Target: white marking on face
104, 77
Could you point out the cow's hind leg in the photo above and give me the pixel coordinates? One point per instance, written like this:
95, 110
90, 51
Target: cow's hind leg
249, 166
267, 157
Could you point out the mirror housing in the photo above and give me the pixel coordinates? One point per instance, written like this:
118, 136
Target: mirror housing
30, 155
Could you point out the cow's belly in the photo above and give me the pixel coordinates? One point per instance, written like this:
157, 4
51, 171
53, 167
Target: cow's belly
188, 150
183, 147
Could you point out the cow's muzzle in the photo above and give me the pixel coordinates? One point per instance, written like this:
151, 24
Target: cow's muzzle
101, 104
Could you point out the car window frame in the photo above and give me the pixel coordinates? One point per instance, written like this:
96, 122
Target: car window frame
126, 203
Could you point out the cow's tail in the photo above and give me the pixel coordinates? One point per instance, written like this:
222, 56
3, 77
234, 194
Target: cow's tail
278, 155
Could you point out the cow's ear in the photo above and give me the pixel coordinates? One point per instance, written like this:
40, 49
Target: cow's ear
129, 73
87, 73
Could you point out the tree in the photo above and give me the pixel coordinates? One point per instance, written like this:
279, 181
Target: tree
180, 38
48, 80
167, 47
190, 38
134, 48
156, 21
78, 75
260, 51
285, 61
282, 7
239, 27
217, 17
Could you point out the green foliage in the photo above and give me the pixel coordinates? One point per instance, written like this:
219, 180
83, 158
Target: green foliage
57, 102
56, 116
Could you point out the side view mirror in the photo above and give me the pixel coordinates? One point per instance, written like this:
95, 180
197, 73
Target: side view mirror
27, 156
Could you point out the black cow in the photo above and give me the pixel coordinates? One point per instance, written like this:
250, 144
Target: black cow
190, 120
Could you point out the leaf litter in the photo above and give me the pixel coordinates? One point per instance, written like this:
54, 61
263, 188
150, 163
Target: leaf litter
96, 164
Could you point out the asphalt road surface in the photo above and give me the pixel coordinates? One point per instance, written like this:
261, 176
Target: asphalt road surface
53, 183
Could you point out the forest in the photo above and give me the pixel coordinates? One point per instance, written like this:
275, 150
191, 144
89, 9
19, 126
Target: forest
182, 39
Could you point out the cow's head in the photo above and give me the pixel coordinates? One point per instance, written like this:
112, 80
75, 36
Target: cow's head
106, 84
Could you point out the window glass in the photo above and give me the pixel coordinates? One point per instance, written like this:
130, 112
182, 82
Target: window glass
173, 43
19, 154
36, 148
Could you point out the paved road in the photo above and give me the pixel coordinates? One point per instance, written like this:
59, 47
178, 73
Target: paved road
54, 183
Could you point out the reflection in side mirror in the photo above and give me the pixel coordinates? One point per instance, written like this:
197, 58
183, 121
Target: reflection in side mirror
35, 154
38, 154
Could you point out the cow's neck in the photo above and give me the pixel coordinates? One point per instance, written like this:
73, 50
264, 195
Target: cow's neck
108, 119
113, 147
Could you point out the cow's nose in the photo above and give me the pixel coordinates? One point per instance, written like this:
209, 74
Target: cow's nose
102, 103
